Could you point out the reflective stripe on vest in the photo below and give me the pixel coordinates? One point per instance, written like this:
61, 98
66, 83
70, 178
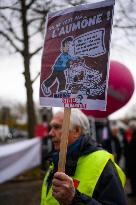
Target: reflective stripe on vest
88, 171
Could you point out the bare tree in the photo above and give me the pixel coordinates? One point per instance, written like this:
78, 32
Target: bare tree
22, 23
124, 27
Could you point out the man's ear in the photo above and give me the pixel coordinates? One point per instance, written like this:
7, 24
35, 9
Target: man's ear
77, 130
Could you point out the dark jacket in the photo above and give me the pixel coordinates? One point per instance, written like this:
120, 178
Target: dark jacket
108, 190
130, 154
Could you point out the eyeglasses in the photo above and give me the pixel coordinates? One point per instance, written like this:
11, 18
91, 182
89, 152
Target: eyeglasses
55, 126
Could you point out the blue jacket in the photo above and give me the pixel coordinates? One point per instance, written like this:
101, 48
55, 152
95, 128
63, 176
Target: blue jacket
62, 62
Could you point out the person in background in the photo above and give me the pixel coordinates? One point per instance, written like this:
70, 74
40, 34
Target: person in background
112, 144
41, 131
130, 154
91, 176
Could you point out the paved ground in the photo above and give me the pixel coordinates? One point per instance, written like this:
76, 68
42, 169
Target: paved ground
28, 193
20, 193
131, 201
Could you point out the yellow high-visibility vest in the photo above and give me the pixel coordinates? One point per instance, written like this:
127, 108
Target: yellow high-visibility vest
88, 171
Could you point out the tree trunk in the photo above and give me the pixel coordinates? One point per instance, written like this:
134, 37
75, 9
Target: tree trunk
31, 117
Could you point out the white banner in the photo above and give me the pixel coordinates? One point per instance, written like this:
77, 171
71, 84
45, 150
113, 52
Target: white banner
19, 157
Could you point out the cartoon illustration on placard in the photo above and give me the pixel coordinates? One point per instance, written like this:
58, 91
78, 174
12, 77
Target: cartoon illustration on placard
70, 71
75, 60
61, 64
83, 80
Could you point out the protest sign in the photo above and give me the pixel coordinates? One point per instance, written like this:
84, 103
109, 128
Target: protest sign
75, 57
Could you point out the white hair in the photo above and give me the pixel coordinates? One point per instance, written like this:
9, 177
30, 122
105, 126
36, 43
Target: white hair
78, 118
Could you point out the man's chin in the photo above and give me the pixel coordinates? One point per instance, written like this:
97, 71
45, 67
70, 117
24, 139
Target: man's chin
56, 146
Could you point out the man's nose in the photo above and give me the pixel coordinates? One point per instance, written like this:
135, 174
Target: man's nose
51, 132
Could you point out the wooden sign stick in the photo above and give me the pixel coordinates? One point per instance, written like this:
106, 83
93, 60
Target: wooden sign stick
64, 140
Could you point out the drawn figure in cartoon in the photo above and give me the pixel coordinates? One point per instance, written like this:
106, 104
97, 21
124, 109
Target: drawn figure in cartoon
79, 99
58, 69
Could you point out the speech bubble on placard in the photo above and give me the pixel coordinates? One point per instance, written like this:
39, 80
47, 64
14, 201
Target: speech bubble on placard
120, 90
90, 44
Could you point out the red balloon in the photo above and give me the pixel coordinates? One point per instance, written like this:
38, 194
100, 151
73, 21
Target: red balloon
120, 90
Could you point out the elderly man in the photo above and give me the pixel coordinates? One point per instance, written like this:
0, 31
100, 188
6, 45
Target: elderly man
91, 178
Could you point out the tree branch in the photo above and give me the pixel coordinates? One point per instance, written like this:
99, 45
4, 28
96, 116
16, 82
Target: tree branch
34, 20
124, 27
11, 29
9, 8
11, 42
30, 4
36, 51
124, 12
35, 78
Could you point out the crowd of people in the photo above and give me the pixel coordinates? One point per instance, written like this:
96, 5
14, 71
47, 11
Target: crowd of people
121, 142
130, 153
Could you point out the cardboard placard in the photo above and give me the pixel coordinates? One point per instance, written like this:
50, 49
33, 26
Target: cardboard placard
75, 57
